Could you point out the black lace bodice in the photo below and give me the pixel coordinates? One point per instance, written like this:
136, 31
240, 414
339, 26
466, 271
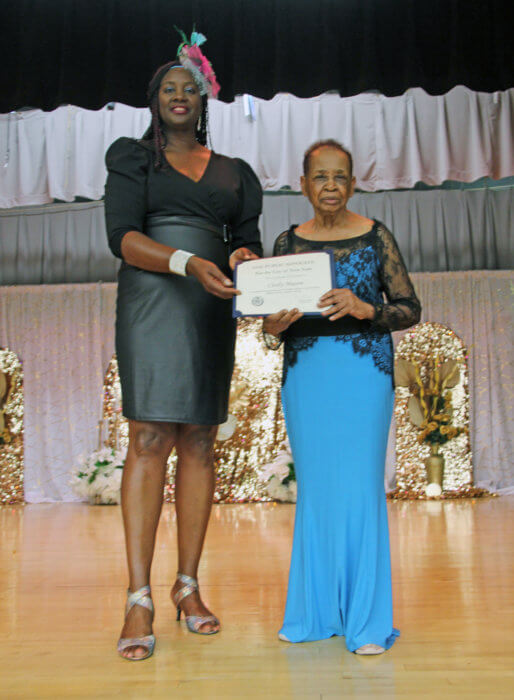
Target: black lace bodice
371, 266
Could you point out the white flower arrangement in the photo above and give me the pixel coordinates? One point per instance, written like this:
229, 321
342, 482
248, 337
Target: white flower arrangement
98, 477
280, 477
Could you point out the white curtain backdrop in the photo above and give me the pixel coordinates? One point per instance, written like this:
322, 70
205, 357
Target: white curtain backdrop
437, 230
396, 141
64, 337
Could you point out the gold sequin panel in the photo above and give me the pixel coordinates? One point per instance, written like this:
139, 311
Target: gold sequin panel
11, 428
421, 345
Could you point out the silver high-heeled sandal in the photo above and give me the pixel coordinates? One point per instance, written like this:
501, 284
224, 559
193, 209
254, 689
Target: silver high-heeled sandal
140, 597
193, 622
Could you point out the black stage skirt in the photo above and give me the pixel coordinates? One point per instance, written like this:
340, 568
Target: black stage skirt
175, 341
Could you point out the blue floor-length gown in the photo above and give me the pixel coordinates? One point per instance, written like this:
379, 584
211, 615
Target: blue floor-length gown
338, 398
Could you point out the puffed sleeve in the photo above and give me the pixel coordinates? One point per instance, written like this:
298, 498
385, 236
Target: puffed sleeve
403, 308
245, 227
125, 190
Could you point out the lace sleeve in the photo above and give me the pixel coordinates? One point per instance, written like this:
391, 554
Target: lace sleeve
281, 245
403, 308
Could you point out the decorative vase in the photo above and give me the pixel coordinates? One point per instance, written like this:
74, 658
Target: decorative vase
435, 466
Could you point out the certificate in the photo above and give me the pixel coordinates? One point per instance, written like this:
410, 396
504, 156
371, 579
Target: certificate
287, 282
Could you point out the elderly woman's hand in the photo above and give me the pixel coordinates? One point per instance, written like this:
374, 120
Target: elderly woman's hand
343, 302
240, 255
275, 324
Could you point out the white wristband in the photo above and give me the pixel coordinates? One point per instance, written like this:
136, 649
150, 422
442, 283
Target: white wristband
178, 261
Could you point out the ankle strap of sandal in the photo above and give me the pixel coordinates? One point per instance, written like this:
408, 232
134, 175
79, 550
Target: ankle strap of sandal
190, 586
189, 580
140, 597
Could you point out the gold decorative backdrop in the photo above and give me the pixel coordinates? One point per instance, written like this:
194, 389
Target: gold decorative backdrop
11, 428
254, 402
422, 345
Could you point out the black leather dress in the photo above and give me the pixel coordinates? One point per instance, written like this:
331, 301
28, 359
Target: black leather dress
175, 341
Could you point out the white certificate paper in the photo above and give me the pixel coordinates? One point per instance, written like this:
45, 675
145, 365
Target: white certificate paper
288, 282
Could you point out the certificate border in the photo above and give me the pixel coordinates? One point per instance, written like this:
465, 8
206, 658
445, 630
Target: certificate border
330, 253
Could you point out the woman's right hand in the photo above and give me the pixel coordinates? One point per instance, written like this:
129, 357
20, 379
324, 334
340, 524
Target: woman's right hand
275, 324
211, 277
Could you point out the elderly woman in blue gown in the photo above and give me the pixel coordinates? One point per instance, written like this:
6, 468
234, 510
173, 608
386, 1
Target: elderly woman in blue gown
338, 398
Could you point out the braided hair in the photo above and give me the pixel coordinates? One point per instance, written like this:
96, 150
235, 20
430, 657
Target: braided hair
155, 131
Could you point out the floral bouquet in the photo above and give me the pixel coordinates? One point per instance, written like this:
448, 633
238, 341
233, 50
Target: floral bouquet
430, 406
430, 409
98, 477
280, 477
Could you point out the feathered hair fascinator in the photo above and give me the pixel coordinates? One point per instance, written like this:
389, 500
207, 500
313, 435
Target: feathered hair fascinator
192, 58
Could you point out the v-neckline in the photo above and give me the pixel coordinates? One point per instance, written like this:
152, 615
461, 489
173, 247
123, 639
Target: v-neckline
196, 182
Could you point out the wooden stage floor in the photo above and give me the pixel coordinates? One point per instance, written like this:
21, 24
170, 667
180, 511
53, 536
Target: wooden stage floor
62, 582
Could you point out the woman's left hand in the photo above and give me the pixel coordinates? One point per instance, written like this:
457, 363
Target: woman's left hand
343, 302
240, 255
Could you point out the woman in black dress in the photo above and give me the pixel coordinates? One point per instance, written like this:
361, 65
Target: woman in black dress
180, 216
